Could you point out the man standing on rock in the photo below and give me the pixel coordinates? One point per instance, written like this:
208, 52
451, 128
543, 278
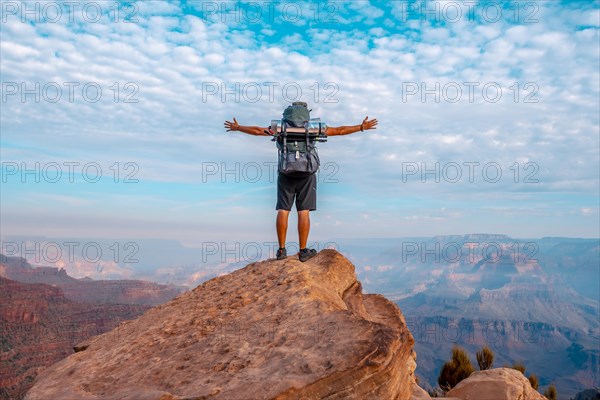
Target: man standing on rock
304, 189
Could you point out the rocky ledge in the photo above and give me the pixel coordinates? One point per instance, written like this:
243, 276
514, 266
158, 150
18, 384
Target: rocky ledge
272, 330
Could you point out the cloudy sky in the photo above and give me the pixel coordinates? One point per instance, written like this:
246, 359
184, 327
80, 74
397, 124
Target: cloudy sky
112, 117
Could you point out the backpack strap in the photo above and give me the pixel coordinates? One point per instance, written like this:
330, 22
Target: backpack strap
284, 132
306, 136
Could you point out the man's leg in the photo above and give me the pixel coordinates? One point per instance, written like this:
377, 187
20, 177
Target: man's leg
303, 227
306, 201
282, 225
285, 201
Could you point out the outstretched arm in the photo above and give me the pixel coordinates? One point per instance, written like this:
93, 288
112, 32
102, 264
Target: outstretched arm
250, 130
346, 130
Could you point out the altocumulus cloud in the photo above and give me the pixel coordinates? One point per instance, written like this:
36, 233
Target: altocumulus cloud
431, 79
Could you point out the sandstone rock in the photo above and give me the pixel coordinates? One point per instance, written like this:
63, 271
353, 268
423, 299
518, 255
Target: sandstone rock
495, 384
419, 393
272, 330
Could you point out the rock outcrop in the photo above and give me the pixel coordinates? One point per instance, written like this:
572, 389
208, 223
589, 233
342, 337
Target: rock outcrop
272, 330
495, 384
491, 384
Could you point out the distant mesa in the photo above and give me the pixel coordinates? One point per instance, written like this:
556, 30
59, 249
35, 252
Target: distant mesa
88, 290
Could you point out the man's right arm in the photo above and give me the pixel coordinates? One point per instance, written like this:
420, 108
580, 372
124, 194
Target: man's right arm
346, 130
250, 130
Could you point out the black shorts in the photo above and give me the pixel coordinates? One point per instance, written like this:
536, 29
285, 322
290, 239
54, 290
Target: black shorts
304, 189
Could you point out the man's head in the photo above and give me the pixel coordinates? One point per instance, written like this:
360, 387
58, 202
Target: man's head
300, 103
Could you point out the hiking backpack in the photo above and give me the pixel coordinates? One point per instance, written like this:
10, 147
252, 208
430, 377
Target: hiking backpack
298, 156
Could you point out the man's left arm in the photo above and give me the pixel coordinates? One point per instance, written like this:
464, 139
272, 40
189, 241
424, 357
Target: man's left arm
346, 130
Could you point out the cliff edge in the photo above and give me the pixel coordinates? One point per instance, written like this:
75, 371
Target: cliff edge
272, 330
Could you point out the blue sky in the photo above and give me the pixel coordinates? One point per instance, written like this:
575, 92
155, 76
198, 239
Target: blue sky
166, 65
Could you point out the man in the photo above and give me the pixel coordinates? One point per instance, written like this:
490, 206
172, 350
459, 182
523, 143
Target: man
304, 189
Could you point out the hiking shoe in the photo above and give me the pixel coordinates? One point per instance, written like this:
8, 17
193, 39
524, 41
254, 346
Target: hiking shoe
306, 254
281, 254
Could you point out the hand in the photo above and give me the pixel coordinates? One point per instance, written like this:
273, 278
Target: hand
366, 124
232, 126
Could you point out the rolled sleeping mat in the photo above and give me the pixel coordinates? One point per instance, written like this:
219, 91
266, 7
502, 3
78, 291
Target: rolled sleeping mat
315, 127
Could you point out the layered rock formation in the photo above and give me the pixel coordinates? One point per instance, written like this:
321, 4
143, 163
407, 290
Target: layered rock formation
272, 330
39, 326
44, 312
89, 290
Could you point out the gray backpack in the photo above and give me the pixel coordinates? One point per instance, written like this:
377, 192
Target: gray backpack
298, 155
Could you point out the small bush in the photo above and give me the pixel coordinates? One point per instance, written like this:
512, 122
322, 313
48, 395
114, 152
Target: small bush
550, 393
485, 358
533, 379
455, 370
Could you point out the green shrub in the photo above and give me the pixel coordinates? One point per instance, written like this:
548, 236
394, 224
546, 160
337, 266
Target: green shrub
455, 370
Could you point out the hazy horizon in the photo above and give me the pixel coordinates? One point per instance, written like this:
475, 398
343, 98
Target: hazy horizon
172, 261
